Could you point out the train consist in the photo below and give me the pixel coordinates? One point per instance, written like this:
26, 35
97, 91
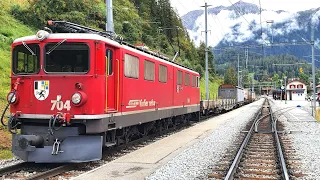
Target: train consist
75, 90
229, 97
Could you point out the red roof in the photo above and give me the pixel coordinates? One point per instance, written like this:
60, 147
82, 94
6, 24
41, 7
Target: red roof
296, 81
227, 86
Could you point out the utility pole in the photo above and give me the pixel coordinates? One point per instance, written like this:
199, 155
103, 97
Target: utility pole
247, 56
285, 89
238, 72
281, 88
109, 24
206, 39
252, 86
313, 72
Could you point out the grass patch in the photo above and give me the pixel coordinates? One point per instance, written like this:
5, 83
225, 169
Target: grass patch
5, 154
10, 29
213, 87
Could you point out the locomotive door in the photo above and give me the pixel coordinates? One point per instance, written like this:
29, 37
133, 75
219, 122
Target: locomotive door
179, 92
110, 80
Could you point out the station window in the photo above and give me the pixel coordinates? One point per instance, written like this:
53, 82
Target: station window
193, 81
131, 66
23, 60
109, 61
300, 86
149, 70
163, 73
187, 79
179, 77
67, 57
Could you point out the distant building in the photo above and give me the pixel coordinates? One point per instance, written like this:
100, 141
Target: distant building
318, 88
266, 91
296, 90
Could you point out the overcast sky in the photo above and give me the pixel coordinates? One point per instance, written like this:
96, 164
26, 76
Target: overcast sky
184, 6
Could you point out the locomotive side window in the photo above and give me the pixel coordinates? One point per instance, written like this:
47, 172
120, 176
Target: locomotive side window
23, 61
131, 66
179, 78
67, 57
109, 61
163, 73
149, 70
198, 82
193, 81
187, 79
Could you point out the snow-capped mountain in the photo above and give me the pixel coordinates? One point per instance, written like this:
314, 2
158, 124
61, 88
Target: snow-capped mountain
239, 24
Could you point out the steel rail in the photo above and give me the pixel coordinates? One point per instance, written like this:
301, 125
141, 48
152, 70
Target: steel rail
52, 172
14, 168
280, 152
236, 160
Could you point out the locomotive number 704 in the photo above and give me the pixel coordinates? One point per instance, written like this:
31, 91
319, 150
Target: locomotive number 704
59, 105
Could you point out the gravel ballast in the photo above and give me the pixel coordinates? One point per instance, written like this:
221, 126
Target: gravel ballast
9, 162
304, 134
195, 161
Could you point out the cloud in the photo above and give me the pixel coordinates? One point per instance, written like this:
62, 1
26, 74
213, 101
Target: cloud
186, 6
315, 18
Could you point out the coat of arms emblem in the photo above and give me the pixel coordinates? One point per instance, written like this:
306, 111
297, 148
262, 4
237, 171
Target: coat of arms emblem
41, 90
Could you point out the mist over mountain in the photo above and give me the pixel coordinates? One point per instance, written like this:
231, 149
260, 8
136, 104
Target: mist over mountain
280, 32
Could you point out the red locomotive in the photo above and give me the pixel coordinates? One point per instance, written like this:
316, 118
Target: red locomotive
78, 90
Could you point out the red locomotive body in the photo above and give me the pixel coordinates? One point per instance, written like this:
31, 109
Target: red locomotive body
74, 91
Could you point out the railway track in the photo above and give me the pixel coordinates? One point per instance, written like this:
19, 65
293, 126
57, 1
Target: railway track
52, 172
35, 171
11, 169
261, 154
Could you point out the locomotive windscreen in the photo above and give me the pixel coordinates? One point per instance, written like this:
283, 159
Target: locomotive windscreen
26, 59
67, 57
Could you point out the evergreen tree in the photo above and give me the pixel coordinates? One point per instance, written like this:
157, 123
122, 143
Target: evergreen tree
230, 76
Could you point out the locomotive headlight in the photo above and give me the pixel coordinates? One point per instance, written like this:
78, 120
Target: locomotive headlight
11, 96
42, 35
76, 98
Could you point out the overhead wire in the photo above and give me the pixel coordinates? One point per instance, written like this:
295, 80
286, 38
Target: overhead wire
239, 12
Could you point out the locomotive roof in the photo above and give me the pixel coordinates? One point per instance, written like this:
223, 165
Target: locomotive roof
91, 36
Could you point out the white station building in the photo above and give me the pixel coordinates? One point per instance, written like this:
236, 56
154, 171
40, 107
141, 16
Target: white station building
296, 90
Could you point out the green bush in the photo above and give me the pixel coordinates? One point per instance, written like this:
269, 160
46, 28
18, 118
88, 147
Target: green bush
199, 69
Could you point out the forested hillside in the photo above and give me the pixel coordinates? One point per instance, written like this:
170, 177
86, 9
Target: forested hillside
268, 68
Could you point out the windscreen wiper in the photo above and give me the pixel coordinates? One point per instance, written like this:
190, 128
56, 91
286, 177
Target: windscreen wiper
27, 47
55, 46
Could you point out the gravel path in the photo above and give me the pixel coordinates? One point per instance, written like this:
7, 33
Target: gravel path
194, 162
305, 136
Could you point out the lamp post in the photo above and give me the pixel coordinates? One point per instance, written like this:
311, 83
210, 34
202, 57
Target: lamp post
285, 89
281, 89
